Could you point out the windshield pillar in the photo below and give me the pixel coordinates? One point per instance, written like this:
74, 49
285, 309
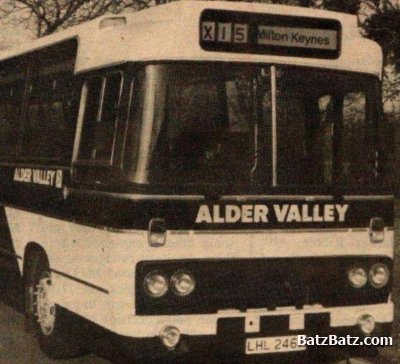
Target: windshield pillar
274, 128
152, 80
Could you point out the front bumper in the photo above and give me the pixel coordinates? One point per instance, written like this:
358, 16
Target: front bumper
205, 347
225, 334
207, 324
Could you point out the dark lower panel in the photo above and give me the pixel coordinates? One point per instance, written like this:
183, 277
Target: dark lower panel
243, 284
10, 276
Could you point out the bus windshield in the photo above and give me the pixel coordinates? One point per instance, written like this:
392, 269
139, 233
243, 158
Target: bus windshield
275, 125
206, 130
326, 127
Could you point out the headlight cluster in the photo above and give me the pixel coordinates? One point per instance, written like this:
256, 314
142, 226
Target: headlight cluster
157, 284
357, 277
377, 276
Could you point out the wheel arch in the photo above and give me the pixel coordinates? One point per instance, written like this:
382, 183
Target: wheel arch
61, 342
31, 249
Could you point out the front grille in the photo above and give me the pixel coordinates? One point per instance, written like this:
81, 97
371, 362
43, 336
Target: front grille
260, 283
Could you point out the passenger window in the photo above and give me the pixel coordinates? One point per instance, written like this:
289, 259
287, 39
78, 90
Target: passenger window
49, 124
63, 117
7, 133
358, 148
325, 135
388, 145
100, 118
90, 117
36, 126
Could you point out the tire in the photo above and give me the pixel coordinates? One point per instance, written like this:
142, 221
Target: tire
49, 322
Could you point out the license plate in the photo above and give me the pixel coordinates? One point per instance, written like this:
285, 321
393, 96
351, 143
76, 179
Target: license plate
276, 344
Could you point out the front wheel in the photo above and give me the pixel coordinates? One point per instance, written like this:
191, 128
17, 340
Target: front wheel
55, 336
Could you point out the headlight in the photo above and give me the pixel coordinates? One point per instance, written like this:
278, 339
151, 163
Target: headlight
366, 324
379, 275
357, 277
183, 283
155, 284
170, 336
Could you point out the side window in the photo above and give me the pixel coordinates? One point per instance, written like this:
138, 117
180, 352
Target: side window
388, 146
7, 134
13, 77
63, 110
49, 123
37, 107
357, 147
36, 127
100, 117
10, 108
94, 88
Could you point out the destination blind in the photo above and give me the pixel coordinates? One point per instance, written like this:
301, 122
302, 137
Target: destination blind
241, 32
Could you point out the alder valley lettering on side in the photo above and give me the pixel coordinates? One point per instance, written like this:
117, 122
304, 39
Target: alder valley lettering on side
39, 176
262, 213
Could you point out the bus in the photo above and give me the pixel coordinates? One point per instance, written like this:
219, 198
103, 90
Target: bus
196, 178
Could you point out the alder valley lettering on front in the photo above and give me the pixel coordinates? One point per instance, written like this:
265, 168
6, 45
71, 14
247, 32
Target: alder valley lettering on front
262, 213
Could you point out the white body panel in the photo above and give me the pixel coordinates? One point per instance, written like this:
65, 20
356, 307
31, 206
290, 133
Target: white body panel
171, 32
107, 260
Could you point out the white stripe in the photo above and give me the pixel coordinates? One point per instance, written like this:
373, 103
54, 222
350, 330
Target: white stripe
134, 196
368, 197
278, 197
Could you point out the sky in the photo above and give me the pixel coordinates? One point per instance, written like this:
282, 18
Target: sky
12, 35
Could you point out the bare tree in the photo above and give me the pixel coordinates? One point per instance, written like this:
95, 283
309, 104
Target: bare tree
381, 19
46, 16
383, 27
306, 3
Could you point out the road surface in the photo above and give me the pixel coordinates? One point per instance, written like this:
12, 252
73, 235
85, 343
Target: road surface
19, 347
